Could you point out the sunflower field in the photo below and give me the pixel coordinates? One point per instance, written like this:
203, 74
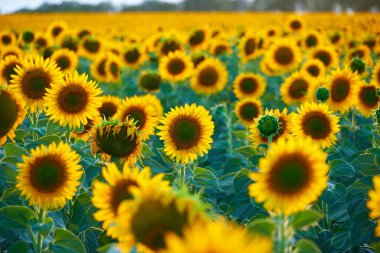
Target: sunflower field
190, 133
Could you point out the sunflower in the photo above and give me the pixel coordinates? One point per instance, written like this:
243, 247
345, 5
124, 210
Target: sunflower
312, 39
283, 56
98, 68
186, 132
366, 98
153, 214
66, 60
11, 50
142, 111
7, 38
284, 132
110, 194
373, 203
317, 122
249, 85
209, 77
176, 66
248, 48
290, 177
85, 133
209, 237
315, 68
113, 68
336, 38
169, 44
41, 41
12, 114
247, 109
90, 47
56, 28
376, 75
341, 84
362, 52
220, 47
32, 80
109, 106
156, 104
295, 23
50, 176
73, 100
133, 56
7, 68
149, 81
326, 54
69, 41
199, 39
117, 140
296, 88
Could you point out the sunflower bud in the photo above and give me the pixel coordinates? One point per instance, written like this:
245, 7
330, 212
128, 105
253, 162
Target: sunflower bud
268, 125
28, 36
322, 94
357, 65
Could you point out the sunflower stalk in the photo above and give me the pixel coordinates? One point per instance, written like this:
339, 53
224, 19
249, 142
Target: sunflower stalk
228, 126
41, 216
281, 235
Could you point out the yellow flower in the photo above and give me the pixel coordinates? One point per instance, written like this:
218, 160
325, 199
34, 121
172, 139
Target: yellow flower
66, 60
325, 54
249, 85
109, 106
283, 56
133, 56
8, 68
176, 66
296, 88
247, 109
366, 98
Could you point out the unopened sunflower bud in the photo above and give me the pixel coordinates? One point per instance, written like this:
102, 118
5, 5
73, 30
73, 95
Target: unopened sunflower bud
322, 94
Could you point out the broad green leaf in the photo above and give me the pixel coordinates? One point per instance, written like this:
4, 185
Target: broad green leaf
44, 228
19, 247
247, 151
65, 241
164, 156
49, 139
240, 134
20, 135
339, 168
262, 226
12, 149
16, 217
146, 151
307, 246
304, 218
204, 178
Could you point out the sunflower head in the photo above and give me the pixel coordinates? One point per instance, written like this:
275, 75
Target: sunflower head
150, 81
110, 105
322, 94
248, 109
268, 125
50, 176
249, 85
176, 66
8, 68
366, 98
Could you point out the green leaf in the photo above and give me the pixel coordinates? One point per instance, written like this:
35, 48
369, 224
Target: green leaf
83, 213
53, 128
19, 247
304, 218
90, 238
49, 139
20, 135
365, 163
16, 217
146, 151
307, 246
339, 168
66, 242
262, 226
164, 156
240, 134
12, 149
204, 178
44, 228
247, 151
376, 247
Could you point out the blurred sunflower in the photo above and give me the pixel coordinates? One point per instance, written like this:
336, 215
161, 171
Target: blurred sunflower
341, 85
373, 203
113, 68
290, 177
317, 122
176, 66
66, 60
169, 44
56, 28
312, 39
8, 68
247, 109
220, 47
7, 38
366, 98
11, 50
140, 110
149, 81
50, 176
375, 78
98, 68
186, 132
209, 77
249, 85
133, 56
12, 114
326, 54
117, 140
283, 56
199, 39
32, 80
110, 194
315, 68
197, 58
296, 88
110, 105
73, 100
248, 48
156, 103
361, 52
41, 41
85, 133
90, 47
295, 23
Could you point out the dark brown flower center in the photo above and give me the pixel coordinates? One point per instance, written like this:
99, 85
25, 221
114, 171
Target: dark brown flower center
340, 89
92, 46
73, 99
249, 111
132, 55
220, 49
56, 31
108, 110
63, 62
284, 55
170, 46
298, 88
197, 38
313, 70
6, 39
8, 113
208, 77
150, 81
34, 83
176, 66
248, 85
8, 71
295, 25
101, 68
250, 46
138, 114
324, 57
185, 132
316, 125
121, 192
368, 96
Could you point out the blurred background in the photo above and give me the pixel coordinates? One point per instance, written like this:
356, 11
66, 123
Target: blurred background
11, 6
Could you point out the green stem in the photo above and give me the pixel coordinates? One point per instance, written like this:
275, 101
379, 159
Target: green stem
229, 127
325, 218
281, 237
41, 215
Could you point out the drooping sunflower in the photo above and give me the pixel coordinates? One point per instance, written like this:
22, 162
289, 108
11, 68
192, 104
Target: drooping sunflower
373, 203
296, 88
98, 68
73, 100
247, 109
12, 114
32, 80
133, 56
150, 81
341, 84
110, 105
7, 38
90, 47
7, 68
85, 133
176, 66
366, 98
317, 121
66, 60
290, 177
326, 54
209, 77
315, 68
117, 140
110, 194
207, 237
199, 39
375, 78
248, 48
249, 85
142, 111
50, 176
56, 28
137, 224
283, 56
186, 132
113, 68
284, 119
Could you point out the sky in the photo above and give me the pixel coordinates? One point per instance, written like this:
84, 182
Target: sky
7, 6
